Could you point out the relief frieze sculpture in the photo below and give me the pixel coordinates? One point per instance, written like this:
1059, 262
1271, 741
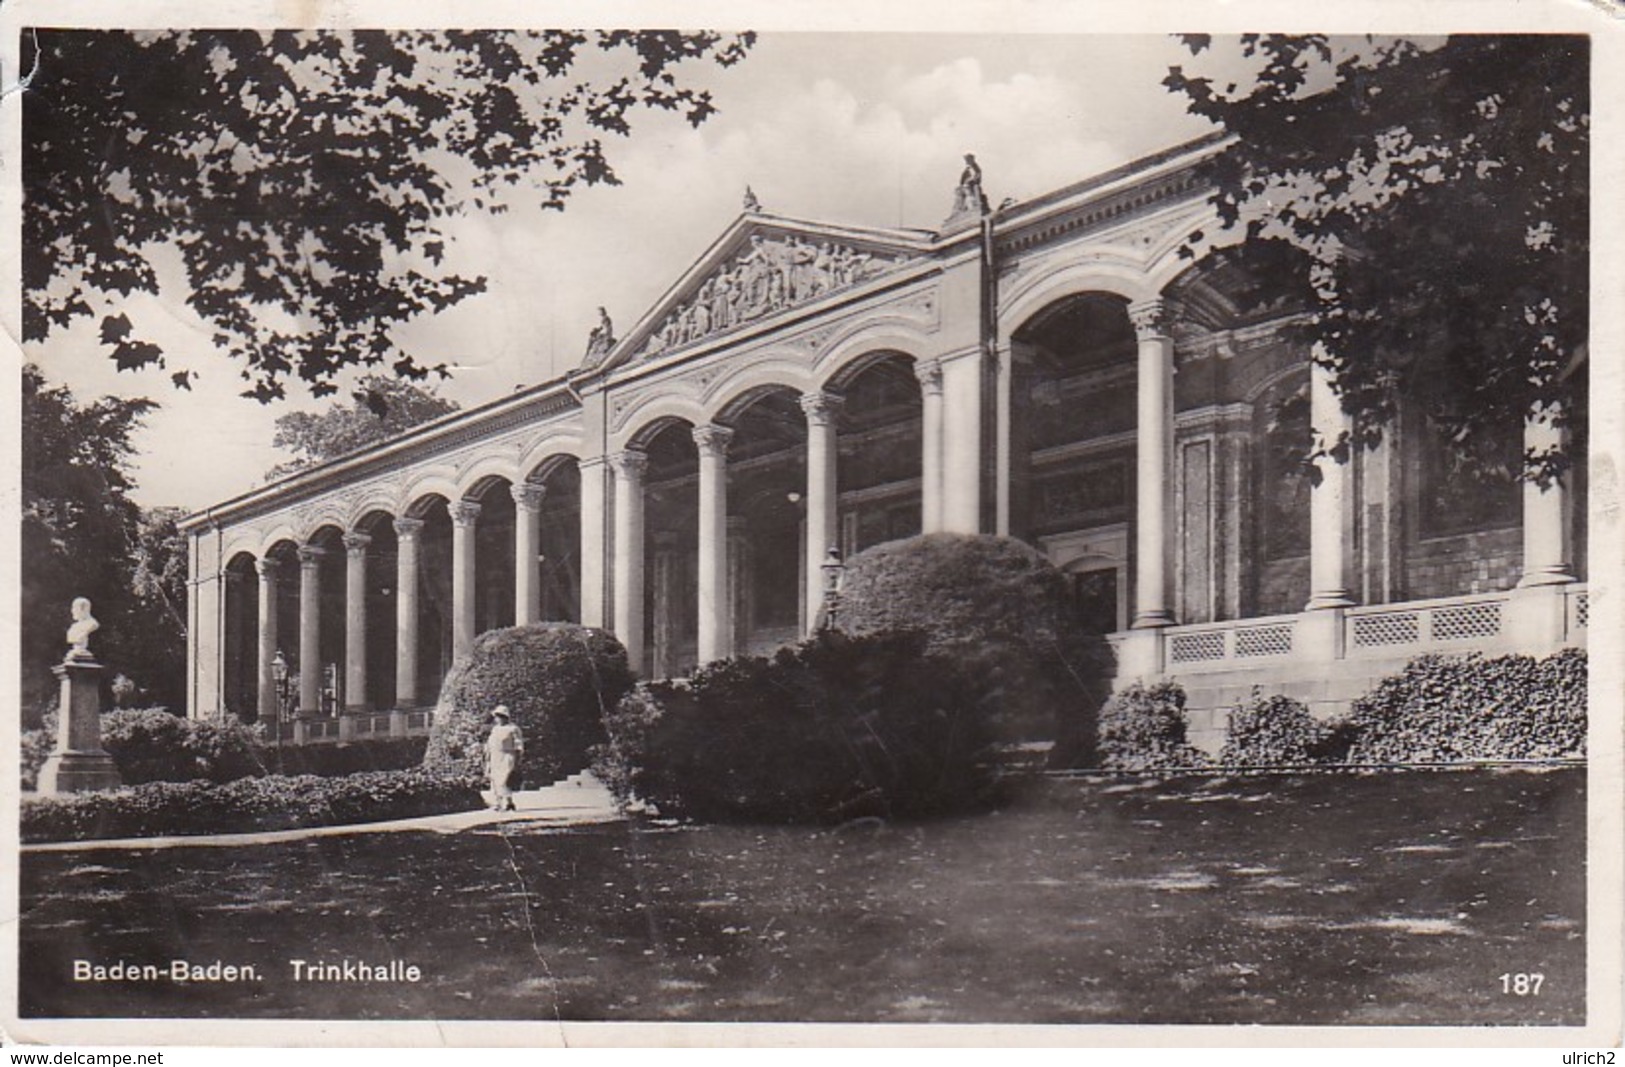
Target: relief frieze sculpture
769, 276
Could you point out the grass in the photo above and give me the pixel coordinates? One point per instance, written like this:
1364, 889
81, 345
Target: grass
1337, 899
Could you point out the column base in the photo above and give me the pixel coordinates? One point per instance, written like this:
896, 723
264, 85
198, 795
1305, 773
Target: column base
1150, 620
1560, 574
1332, 598
78, 772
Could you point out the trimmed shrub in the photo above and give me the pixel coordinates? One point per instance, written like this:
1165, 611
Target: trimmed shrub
559, 680
153, 745
1274, 731
1001, 609
1144, 728
329, 760
1447, 708
246, 805
36, 749
838, 727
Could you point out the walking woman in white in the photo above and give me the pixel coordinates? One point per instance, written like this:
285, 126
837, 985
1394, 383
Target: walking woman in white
502, 751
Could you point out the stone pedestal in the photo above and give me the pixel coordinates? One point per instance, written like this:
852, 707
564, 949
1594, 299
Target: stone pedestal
78, 762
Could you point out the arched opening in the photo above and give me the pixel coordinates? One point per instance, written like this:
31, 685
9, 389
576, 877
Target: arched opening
559, 543
670, 550
879, 460
767, 485
493, 554
241, 680
285, 554
434, 615
1072, 448
382, 595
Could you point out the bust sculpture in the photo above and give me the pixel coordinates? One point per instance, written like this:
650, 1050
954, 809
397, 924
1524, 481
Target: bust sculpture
84, 624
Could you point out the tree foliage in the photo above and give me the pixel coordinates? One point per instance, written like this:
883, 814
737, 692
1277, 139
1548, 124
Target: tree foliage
305, 179
1427, 203
83, 536
382, 407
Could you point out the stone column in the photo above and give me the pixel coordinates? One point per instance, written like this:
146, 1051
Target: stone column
929, 372
959, 435
409, 537
527, 546
1548, 537
465, 514
822, 411
1331, 501
1010, 446
594, 612
310, 629
739, 622
713, 536
1154, 466
269, 709
355, 621
665, 597
629, 468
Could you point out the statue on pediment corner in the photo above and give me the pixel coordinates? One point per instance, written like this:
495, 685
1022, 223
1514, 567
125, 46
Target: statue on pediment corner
753, 206
969, 199
599, 340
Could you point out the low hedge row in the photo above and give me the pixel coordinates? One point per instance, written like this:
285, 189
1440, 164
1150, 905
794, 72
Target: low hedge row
1439, 709
273, 802
836, 728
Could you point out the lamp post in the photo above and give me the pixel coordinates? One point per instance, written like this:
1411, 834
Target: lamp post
282, 678
832, 568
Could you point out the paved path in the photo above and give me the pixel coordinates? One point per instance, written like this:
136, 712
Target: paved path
579, 802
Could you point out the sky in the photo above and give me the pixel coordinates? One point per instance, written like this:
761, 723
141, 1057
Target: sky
866, 129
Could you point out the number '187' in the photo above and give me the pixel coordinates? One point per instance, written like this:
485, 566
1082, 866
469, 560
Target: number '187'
1522, 985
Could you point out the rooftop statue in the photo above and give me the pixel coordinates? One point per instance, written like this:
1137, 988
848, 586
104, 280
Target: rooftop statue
599, 341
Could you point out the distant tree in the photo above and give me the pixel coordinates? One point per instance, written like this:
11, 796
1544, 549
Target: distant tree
1428, 203
305, 178
83, 536
383, 407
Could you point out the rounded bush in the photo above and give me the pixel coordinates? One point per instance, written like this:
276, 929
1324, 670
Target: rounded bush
999, 607
558, 680
1445, 708
1144, 728
154, 745
1274, 731
836, 728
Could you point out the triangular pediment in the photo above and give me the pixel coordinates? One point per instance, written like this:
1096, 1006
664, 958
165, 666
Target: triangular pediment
762, 267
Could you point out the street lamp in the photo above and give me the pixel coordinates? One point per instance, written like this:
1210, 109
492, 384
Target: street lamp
283, 680
832, 568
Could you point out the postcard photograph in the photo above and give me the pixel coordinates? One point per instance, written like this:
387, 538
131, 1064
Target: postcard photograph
811, 525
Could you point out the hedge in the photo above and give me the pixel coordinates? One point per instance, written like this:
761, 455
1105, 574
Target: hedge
835, 728
1276, 731
273, 802
1447, 708
1144, 728
1000, 608
558, 680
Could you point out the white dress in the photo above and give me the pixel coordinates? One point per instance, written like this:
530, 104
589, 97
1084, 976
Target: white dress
503, 749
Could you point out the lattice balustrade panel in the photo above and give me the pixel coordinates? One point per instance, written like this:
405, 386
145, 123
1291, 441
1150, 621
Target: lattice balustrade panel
1263, 641
1389, 628
417, 720
1196, 648
1582, 610
1467, 622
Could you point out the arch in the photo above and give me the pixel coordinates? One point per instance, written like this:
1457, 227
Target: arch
1119, 275
430, 484
369, 520
649, 430
739, 390
547, 452
549, 464
327, 512
868, 343
481, 475
374, 499
650, 413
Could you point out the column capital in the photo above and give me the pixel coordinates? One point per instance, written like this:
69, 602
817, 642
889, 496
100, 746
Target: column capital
407, 528
591, 462
630, 463
713, 440
464, 513
1150, 319
929, 373
822, 408
267, 568
528, 496
356, 543
310, 555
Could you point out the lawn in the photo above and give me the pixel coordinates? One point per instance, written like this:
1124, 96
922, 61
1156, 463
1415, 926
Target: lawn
1336, 899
